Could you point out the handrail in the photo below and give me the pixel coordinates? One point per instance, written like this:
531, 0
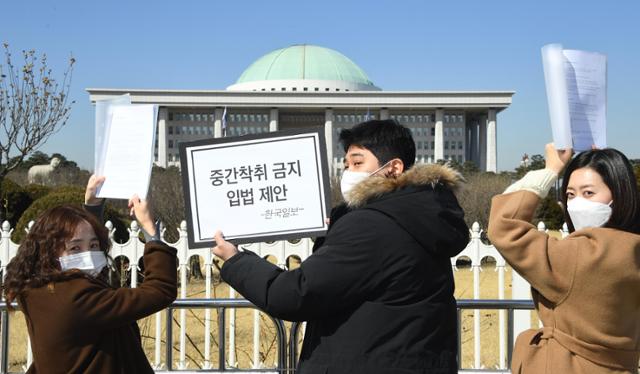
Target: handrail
220, 304
285, 364
509, 305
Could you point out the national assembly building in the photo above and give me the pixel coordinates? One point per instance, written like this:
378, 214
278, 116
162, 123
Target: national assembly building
310, 86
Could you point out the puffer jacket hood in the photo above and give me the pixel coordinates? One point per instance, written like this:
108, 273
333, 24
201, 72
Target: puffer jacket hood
422, 202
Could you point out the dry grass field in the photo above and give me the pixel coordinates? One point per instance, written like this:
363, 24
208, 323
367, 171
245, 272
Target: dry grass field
244, 328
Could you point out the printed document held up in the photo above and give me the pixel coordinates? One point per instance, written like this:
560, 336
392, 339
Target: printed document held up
576, 83
127, 156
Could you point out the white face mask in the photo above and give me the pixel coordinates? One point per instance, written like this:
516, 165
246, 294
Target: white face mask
351, 178
586, 213
90, 262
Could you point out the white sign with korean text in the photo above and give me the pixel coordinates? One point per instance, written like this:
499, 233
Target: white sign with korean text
255, 188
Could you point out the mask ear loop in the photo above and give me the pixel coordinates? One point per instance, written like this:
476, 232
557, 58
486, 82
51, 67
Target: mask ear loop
380, 168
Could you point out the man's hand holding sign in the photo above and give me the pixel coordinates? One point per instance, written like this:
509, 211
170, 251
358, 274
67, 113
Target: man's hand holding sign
223, 249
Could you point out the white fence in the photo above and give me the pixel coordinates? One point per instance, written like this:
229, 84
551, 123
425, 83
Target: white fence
476, 251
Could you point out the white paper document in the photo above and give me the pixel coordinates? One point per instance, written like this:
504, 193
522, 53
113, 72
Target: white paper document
103, 121
128, 151
576, 83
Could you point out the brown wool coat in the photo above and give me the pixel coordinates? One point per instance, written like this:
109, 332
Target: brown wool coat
84, 326
585, 287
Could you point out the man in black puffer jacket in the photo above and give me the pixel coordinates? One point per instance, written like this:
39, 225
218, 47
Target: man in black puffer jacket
378, 293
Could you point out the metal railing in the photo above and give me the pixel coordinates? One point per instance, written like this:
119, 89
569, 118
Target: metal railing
509, 305
222, 305
287, 359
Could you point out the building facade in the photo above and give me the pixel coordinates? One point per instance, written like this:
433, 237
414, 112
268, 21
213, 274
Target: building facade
309, 86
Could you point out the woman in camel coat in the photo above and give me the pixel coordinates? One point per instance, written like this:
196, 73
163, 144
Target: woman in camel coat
586, 287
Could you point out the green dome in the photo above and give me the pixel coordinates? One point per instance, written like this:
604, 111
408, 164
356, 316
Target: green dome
305, 62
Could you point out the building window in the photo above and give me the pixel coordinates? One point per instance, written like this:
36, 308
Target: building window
294, 89
433, 131
306, 89
460, 145
433, 145
170, 130
170, 144
316, 89
446, 144
178, 130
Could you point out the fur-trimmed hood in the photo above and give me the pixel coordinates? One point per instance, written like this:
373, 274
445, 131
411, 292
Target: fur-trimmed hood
418, 175
422, 202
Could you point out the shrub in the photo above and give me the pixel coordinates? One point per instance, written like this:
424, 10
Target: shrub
73, 196
550, 212
14, 200
36, 191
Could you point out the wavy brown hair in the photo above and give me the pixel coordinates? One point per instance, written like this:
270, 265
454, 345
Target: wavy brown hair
36, 262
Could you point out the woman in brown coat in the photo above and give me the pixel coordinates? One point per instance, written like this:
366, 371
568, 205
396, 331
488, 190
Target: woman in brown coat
77, 322
585, 287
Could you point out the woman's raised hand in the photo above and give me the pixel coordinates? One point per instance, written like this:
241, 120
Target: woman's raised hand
555, 159
92, 186
139, 209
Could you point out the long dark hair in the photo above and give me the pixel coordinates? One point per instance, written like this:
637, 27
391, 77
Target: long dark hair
617, 173
36, 262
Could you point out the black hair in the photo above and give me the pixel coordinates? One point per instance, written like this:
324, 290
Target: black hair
617, 173
386, 139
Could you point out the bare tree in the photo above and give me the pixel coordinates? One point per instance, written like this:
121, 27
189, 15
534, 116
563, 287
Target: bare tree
475, 197
33, 106
168, 203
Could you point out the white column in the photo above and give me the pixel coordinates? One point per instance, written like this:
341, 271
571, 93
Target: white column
162, 137
328, 134
384, 113
475, 152
492, 150
438, 152
217, 123
483, 145
273, 120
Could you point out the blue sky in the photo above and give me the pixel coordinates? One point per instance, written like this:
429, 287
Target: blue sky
402, 45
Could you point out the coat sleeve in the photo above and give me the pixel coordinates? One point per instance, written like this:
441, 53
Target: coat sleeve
108, 308
339, 275
547, 263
